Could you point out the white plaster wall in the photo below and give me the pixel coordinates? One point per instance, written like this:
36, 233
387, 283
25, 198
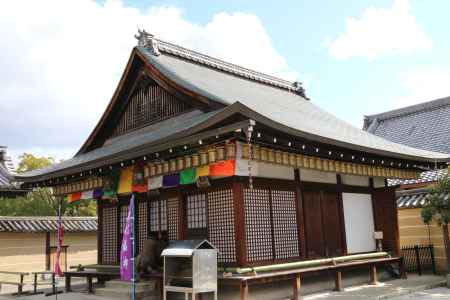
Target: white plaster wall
264, 170
355, 180
317, 176
359, 224
378, 182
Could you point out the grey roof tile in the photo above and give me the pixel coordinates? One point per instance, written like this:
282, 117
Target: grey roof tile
146, 135
47, 224
424, 126
278, 104
424, 177
414, 198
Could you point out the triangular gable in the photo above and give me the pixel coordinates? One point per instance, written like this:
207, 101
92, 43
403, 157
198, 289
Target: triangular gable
148, 104
142, 97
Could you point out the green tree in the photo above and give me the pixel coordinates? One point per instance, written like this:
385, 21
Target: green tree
41, 201
437, 207
29, 162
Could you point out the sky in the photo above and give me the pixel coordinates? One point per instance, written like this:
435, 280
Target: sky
60, 61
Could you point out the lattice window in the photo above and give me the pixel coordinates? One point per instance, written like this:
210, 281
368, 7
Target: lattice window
258, 224
221, 224
148, 105
109, 235
158, 215
196, 211
123, 217
172, 218
142, 227
285, 228
154, 216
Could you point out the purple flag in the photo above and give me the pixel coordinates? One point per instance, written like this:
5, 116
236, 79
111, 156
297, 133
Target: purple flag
126, 249
171, 180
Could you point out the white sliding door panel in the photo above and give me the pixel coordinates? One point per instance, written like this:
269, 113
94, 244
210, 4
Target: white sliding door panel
359, 225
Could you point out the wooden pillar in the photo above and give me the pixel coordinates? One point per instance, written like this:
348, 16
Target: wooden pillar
373, 274
239, 223
119, 236
297, 286
300, 218
338, 281
386, 218
341, 213
182, 217
47, 251
244, 290
99, 232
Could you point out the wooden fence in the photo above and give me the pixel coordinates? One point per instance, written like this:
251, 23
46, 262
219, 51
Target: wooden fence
419, 258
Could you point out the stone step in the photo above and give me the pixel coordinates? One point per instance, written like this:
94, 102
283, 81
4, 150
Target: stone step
122, 294
141, 285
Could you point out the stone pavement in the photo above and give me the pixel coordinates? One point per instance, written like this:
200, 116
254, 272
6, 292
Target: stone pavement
394, 289
433, 294
425, 287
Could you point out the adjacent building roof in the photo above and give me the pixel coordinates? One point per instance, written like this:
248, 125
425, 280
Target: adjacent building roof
270, 101
7, 187
47, 224
424, 177
424, 126
5, 169
414, 198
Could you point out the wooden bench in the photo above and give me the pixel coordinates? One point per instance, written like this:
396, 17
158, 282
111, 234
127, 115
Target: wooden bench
18, 283
37, 283
295, 274
89, 275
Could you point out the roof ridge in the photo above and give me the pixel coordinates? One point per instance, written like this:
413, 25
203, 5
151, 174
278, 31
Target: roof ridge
407, 110
156, 46
47, 218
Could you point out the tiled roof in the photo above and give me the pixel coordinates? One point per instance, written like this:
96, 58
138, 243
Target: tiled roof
6, 169
135, 139
268, 100
424, 177
47, 224
424, 126
413, 198
280, 105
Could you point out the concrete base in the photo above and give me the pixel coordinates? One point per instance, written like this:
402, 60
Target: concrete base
448, 281
121, 290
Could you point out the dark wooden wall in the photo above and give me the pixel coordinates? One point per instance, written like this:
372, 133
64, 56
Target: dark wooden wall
276, 221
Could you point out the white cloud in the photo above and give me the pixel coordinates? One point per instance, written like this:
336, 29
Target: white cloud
423, 84
61, 60
378, 32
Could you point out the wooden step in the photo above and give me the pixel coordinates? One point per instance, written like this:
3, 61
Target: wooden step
123, 294
119, 289
147, 284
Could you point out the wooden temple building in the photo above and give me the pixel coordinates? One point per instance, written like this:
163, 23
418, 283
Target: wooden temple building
8, 189
217, 151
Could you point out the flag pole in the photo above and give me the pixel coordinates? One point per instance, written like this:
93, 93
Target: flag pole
55, 288
133, 235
